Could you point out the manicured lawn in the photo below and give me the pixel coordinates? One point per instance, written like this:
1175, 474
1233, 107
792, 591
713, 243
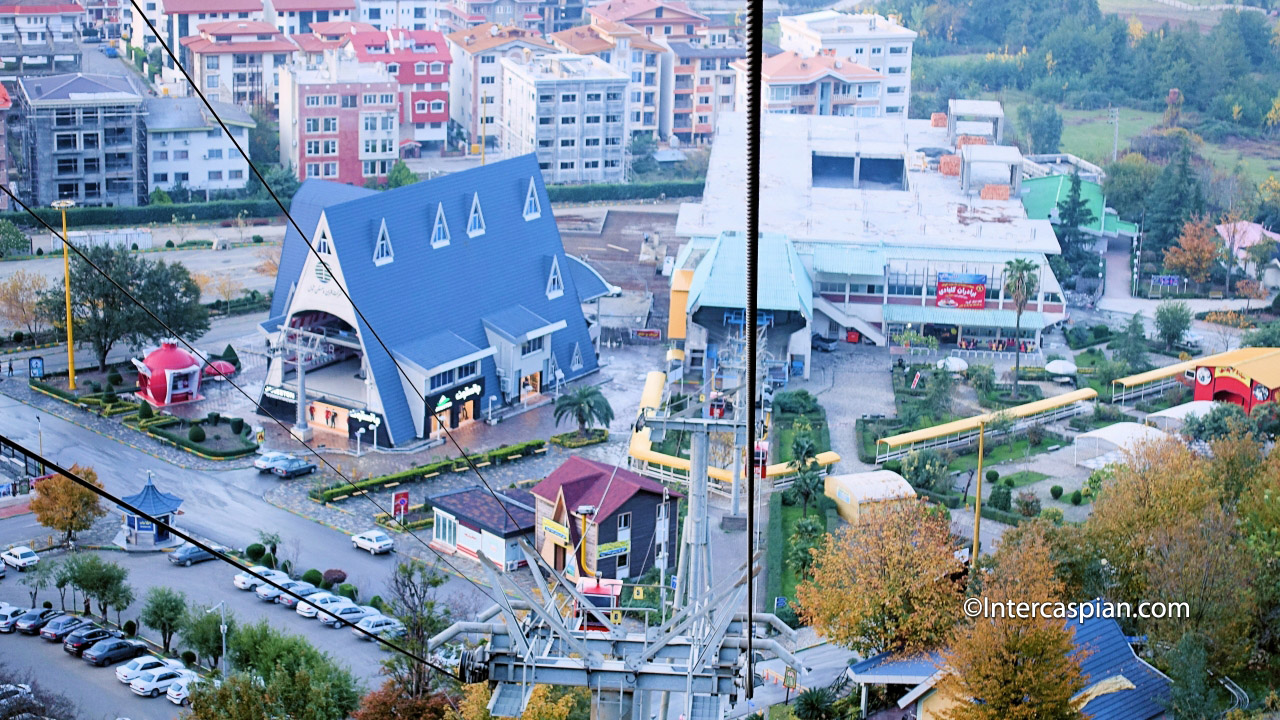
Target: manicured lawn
1089, 359
1024, 477
1005, 451
786, 434
791, 514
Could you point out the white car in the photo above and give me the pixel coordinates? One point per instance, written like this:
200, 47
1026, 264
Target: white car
153, 683
375, 624
20, 557
272, 594
375, 541
180, 691
245, 581
130, 671
267, 460
352, 613
321, 599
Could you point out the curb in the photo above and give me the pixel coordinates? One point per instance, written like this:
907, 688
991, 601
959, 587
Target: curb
46, 346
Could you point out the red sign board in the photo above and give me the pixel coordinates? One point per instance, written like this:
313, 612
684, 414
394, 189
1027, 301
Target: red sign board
647, 333
965, 291
400, 502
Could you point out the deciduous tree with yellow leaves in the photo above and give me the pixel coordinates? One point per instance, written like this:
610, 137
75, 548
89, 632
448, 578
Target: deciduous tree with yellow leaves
63, 505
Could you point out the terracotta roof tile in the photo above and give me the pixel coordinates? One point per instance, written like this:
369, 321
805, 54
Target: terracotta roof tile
480, 38
795, 68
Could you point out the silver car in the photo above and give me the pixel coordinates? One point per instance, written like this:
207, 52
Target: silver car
334, 616
272, 594
375, 625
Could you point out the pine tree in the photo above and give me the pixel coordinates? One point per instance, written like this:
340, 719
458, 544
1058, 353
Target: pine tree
1073, 214
1176, 198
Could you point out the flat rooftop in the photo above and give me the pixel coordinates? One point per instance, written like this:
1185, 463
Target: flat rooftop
566, 66
932, 212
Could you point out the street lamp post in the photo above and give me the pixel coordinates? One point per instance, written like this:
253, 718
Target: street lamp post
359, 435
66, 282
226, 660
40, 432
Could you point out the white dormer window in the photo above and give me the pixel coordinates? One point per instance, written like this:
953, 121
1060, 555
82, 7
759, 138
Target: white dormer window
576, 362
437, 68
440, 230
475, 223
393, 68
322, 242
555, 284
420, 68
382, 253
421, 106
532, 210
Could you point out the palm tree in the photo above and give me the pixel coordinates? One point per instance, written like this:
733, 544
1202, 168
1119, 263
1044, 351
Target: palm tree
807, 486
803, 450
815, 704
1020, 283
587, 406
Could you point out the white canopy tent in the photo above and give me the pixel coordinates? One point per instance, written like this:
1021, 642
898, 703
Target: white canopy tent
1171, 419
1118, 438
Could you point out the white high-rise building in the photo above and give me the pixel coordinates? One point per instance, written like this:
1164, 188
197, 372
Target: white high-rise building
873, 41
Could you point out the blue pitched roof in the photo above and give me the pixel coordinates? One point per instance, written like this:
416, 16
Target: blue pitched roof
890, 669
310, 199
436, 349
1112, 655
427, 290
591, 284
152, 501
515, 322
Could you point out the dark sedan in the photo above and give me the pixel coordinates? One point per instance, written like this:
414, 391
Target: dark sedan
58, 629
33, 620
293, 467
85, 637
188, 555
823, 343
113, 651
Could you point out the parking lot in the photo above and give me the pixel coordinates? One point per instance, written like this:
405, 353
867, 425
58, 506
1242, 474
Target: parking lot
96, 691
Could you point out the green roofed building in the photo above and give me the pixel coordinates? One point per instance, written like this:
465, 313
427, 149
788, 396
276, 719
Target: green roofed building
1040, 197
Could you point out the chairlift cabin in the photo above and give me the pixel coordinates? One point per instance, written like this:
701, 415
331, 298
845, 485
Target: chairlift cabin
603, 593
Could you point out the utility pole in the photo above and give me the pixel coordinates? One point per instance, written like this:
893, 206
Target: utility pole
1113, 116
226, 659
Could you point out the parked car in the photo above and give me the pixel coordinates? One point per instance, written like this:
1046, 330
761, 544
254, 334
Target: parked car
180, 691
188, 555
9, 615
91, 40
375, 541
271, 594
131, 670
318, 600
3, 569
20, 557
825, 344
293, 467
113, 650
58, 629
351, 613
305, 590
154, 682
376, 625
267, 461
245, 581
34, 619
85, 637
109, 51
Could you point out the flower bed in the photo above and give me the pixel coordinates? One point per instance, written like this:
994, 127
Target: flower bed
222, 445
418, 516
572, 440
507, 453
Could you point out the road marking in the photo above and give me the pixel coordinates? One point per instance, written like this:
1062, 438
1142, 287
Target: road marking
620, 249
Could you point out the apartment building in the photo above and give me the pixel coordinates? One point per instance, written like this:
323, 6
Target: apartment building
655, 18
459, 15
419, 61
325, 36
178, 19
105, 16
558, 15
293, 17
186, 146
569, 109
475, 75
6, 104
80, 138
703, 81
239, 61
40, 37
874, 41
820, 85
339, 122
647, 65
407, 14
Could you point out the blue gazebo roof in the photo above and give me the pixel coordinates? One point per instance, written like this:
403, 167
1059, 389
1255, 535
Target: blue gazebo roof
154, 502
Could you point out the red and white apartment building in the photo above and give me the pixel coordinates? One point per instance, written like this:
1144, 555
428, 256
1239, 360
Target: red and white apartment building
239, 61
419, 60
339, 122
325, 36
705, 82
475, 75
178, 19
292, 17
459, 15
655, 18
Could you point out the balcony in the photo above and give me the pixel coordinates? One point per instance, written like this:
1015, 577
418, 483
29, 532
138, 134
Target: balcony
703, 108
702, 128
685, 69
706, 88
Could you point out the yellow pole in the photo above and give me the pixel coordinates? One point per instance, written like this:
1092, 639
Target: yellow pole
977, 501
66, 283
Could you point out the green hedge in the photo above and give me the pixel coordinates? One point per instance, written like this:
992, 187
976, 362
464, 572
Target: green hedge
571, 440
341, 489
951, 500
162, 214
1008, 518
183, 441
773, 552
56, 391
629, 191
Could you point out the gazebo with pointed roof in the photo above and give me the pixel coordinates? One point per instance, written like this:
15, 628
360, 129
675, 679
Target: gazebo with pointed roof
139, 531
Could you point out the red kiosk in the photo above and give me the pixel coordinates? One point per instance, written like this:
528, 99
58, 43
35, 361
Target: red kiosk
168, 375
1246, 377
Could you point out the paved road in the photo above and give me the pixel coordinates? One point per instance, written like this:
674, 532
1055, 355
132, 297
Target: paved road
20, 529
97, 690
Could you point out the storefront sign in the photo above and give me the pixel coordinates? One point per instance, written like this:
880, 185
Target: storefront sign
608, 550
442, 403
647, 333
962, 290
1229, 372
280, 393
365, 417
555, 529
1166, 280
467, 391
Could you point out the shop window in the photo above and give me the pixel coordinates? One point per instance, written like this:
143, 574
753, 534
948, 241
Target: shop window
440, 231
475, 223
532, 210
443, 379
576, 363
555, 283
382, 253
446, 529
531, 346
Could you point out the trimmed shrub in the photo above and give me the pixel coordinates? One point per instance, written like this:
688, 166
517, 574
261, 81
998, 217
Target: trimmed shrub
1028, 504
18, 336
195, 434
313, 576
349, 591
378, 603
145, 412
1077, 497
334, 576
1001, 498
257, 238
1007, 482
1053, 514
268, 560
188, 658
255, 552
48, 605
134, 247
115, 378
130, 628
109, 398
39, 252
993, 475
1055, 491
237, 425
168, 243
214, 418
